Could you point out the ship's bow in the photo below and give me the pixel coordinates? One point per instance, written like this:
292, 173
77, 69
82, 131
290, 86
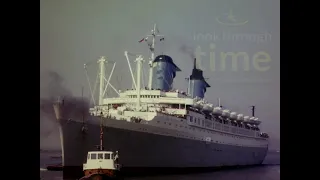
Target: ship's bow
58, 111
67, 112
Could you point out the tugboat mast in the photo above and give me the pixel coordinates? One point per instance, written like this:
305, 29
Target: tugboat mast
101, 133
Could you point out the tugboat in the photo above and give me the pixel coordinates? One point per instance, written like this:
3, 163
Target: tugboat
101, 164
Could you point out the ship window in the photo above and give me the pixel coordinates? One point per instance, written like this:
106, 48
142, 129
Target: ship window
191, 119
106, 156
93, 156
100, 156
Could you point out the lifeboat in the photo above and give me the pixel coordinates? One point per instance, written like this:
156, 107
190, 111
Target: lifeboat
226, 113
233, 115
246, 118
240, 117
256, 121
197, 105
208, 107
217, 111
251, 120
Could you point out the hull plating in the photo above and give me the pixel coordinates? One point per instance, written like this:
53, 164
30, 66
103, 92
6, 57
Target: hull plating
141, 149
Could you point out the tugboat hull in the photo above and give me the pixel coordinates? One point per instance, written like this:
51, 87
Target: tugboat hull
103, 174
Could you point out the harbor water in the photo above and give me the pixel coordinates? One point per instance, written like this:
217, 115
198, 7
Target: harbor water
270, 170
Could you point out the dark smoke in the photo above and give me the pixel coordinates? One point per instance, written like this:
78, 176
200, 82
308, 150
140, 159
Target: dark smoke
188, 50
51, 87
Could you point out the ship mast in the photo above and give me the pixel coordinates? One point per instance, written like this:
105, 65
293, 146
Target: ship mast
139, 61
153, 35
101, 63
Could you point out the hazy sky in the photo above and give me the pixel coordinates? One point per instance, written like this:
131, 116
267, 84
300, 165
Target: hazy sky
73, 32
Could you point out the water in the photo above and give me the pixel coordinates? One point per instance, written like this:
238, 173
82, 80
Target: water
269, 171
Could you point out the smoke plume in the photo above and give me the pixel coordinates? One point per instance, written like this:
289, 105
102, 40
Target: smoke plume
51, 87
188, 50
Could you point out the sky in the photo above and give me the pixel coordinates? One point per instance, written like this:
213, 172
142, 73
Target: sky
74, 32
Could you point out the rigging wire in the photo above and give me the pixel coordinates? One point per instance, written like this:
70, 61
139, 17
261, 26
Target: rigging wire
85, 67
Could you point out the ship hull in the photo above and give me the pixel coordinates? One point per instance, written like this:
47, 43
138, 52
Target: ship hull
141, 152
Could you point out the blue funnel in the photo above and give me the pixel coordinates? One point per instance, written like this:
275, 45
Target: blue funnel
198, 85
164, 71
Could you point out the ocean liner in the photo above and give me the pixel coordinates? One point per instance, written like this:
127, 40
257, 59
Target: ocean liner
157, 128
